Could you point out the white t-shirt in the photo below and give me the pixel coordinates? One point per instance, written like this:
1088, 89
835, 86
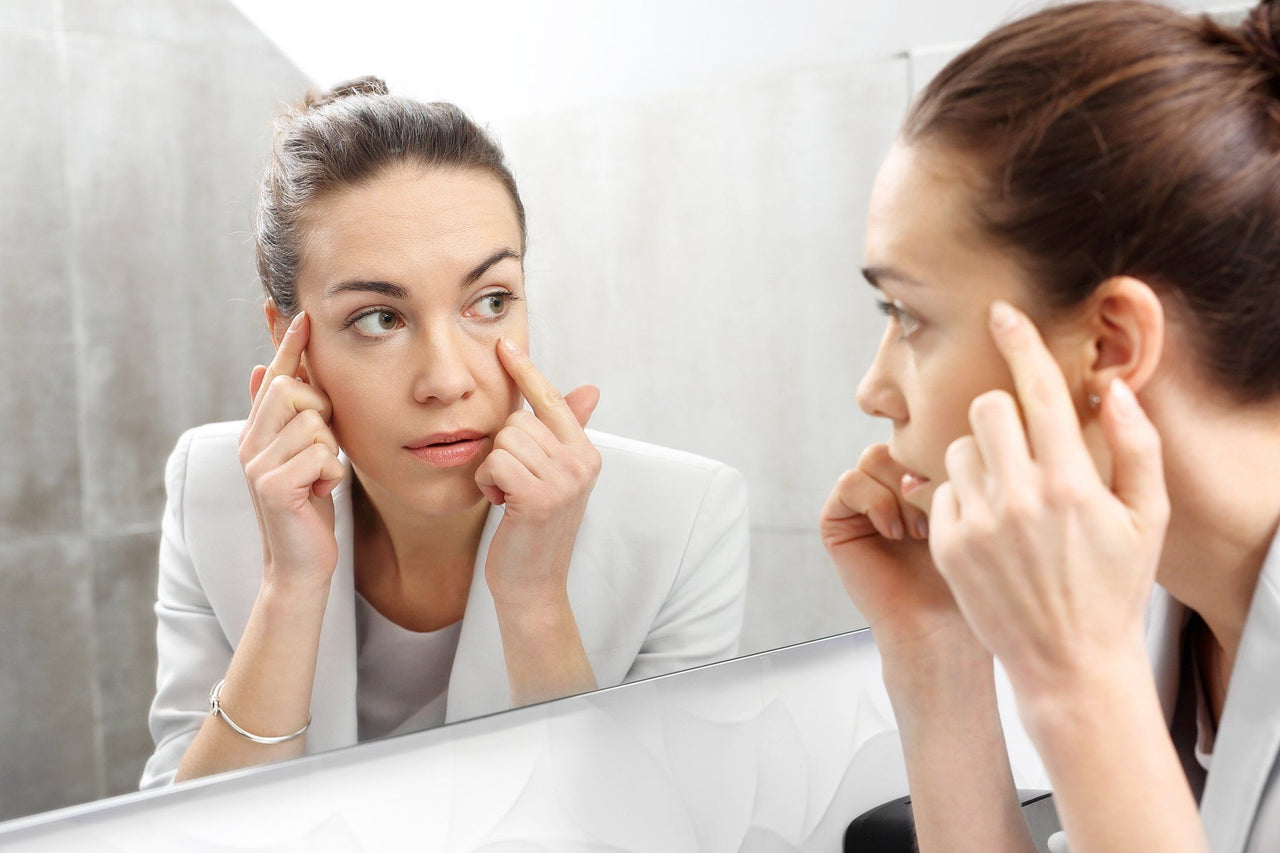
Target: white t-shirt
402, 676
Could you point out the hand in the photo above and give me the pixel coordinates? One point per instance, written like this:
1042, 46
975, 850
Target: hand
1051, 567
542, 468
290, 459
879, 545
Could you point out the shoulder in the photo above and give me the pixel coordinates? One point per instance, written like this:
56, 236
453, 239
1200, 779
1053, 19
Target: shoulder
203, 472
658, 486
643, 456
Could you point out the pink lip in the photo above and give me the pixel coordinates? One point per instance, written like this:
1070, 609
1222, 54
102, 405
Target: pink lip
448, 449
912, 483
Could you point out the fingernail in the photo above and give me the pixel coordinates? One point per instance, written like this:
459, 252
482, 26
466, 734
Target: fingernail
510, 347
1003, 315
922, 528
296, 321
896, 530
1122, 398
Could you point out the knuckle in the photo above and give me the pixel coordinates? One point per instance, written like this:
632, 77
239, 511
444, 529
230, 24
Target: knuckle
1063, 493
874, 455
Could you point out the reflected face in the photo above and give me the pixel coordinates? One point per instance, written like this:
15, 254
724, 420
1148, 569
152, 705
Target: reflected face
410, 280
936, 277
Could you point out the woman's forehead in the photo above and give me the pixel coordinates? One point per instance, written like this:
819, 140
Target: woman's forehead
409, 223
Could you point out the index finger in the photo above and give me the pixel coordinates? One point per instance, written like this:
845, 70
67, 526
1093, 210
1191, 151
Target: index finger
547, 403
288, 357
1053, 427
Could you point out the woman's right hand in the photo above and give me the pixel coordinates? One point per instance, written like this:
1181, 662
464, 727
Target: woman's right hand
290, 459
880, 547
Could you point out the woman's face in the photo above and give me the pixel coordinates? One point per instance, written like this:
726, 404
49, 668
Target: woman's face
936, 277
410, 280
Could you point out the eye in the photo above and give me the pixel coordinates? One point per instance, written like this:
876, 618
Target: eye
907, 322
492, 305
375, 323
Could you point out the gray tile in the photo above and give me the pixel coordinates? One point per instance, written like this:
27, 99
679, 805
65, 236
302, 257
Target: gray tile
793, 593
124, 591
704, 269
216, 22
166, 147
40, 482
48, 753
29, 14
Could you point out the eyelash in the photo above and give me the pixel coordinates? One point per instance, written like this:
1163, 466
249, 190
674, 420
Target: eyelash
907, 322
506, 295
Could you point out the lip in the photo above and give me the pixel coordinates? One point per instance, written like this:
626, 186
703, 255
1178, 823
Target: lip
448, 449
912, 483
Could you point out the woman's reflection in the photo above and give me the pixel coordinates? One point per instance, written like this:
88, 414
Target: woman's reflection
414, 547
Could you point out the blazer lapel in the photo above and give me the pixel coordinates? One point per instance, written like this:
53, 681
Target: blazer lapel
333, 698
1166, 618
478, 682
1249, 733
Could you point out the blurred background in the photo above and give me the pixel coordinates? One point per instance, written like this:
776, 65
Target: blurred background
695, 174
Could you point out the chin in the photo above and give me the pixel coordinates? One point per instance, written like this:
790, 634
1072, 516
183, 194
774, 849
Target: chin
922, 499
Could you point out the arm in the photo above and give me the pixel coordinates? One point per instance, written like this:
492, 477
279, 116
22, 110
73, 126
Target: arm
542, 468
700, 621
1052, 568
962, 791
939, 677
291, 464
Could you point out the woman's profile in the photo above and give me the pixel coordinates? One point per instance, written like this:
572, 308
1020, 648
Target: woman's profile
415, 546
1076, 239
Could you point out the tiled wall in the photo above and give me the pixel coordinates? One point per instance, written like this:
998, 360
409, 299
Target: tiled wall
133, 134
697, 256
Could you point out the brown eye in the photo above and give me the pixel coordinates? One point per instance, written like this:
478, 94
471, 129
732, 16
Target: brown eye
377, 323
492, 304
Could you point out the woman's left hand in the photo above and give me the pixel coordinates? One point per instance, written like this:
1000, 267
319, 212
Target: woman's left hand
543, 468
1051, 567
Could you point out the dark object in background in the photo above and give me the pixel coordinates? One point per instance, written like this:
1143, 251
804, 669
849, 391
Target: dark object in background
890, 828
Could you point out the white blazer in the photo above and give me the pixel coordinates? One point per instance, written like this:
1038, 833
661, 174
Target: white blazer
657, 583
1240, 805
1247, 744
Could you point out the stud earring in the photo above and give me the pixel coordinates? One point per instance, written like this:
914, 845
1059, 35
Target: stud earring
1095, 402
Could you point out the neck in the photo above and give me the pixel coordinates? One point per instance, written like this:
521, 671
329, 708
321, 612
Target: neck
1221, 460
410, 545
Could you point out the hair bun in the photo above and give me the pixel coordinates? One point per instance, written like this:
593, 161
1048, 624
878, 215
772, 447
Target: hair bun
368, 85
1260, 34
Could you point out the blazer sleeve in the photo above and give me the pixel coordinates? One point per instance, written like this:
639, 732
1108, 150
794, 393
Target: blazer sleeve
192, 650
700, 621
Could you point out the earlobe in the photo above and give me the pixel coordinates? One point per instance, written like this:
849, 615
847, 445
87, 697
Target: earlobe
1127, 335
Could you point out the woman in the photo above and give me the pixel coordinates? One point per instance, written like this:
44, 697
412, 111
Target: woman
1076, 239
428, 550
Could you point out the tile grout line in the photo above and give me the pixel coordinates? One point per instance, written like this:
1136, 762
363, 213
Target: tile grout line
81, 364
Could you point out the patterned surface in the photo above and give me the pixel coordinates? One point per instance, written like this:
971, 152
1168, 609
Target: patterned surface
770, 754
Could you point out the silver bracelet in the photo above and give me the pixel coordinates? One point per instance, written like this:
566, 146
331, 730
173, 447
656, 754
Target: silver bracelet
216, 709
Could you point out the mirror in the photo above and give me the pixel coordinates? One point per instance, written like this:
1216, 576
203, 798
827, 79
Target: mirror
695, 177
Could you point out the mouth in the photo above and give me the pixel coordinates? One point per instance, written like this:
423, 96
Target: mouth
913, 483
448, 449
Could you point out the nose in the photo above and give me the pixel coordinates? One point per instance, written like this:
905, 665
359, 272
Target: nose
443, 370
879, 393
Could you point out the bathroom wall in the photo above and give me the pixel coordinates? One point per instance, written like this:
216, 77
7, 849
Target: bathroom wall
133, 135
695, 172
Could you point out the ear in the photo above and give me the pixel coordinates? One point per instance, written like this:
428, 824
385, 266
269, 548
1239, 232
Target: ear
1127, 327
276, 322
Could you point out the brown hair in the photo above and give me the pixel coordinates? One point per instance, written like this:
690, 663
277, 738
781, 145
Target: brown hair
1125, 138
342, 138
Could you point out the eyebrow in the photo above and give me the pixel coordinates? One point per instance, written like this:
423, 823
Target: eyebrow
874, 275
395, 291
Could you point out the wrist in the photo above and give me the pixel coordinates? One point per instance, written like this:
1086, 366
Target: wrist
292, 596
1066, 702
